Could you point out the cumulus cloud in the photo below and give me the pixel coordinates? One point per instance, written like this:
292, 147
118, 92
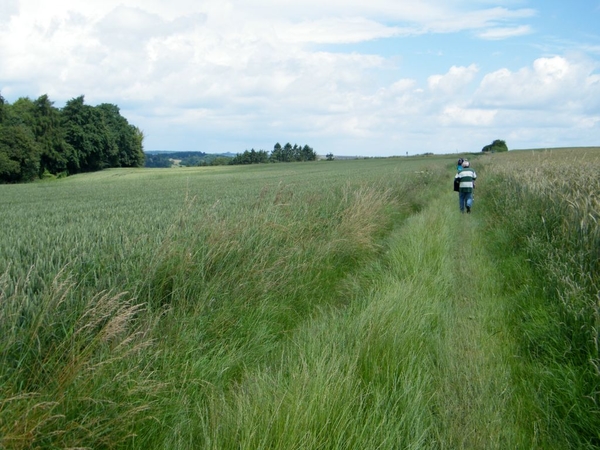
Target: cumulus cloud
130, 28
402, 86
454, 81
551, 83
210, 49
484, 19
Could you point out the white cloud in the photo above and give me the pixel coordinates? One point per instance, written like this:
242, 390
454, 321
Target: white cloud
104, 46
504, 33
402, 86
335, 31
7, 9
483, 19
456, 115
551, 83
454, 81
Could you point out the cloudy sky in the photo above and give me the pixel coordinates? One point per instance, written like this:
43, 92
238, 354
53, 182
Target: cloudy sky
350, 77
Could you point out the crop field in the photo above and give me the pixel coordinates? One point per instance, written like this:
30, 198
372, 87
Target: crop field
304, 305
546, 207
111, 227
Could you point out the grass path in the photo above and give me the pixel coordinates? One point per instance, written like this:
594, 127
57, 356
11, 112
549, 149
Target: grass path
473, 400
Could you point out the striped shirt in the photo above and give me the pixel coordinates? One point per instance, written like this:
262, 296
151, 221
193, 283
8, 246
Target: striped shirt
466, 176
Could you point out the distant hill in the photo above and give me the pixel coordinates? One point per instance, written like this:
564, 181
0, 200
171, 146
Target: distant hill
178, 154
168, 158
175, 154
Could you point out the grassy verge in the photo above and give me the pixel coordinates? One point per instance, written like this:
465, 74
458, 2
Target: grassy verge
544, 209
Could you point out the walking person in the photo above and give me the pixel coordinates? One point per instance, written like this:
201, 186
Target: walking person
466, 183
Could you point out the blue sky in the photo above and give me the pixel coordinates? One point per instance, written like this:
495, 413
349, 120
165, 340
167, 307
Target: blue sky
377, 78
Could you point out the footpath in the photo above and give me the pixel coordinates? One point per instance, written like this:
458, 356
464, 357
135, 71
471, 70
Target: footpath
473, 402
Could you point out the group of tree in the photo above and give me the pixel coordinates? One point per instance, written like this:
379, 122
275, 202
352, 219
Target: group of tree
158, 160
287, 153
496, 146
184, 159
37, 139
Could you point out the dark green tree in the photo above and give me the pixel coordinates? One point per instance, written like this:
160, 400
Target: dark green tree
77, 138
250, 157
2, 101
50, 135
77, 120
125, 141
158, 161
287, 153
19, 154
193, 161
496, 146
308, 154
220, 161
87, 131
277, 153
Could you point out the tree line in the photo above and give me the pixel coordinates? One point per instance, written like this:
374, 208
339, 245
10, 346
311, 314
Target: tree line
39, 140
287, 153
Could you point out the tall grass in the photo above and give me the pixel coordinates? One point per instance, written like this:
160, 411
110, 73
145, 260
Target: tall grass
132, 300
352, 377
546, 205
70, 368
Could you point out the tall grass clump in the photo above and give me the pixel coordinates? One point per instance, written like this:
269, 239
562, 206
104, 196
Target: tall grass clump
234, 284
70, 369
352, 377
547, 204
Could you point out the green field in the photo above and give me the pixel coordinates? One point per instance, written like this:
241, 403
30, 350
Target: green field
332, 304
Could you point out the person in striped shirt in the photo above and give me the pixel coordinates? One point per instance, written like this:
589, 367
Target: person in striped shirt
466, 177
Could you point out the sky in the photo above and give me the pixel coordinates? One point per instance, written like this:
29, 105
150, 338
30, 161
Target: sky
348, 77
